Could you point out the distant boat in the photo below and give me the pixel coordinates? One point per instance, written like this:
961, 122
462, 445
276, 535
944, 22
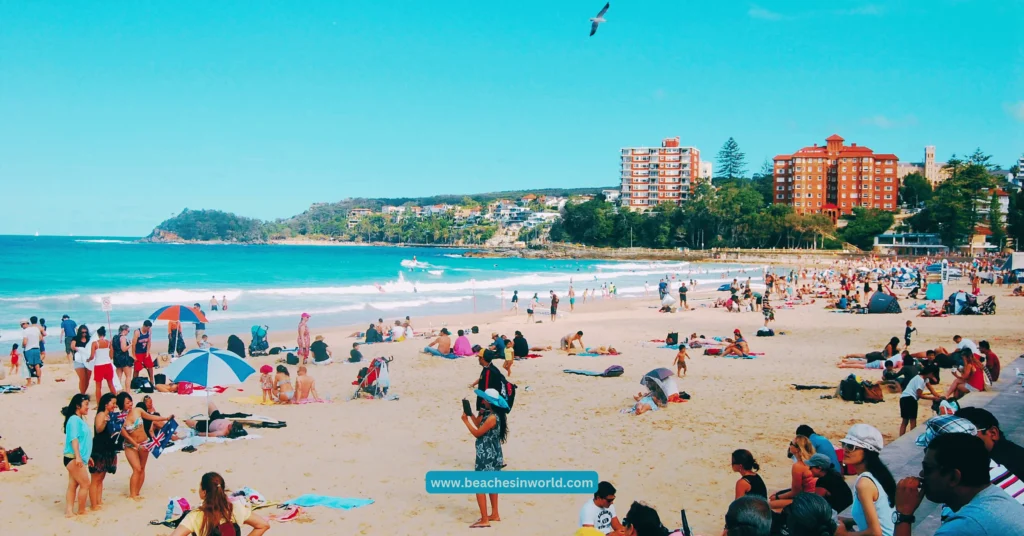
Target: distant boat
37, 233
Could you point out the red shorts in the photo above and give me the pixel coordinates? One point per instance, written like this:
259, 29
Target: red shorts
14, 359
143, 361
103, 373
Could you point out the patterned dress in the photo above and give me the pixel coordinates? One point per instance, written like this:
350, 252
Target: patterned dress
488, 447
303, 341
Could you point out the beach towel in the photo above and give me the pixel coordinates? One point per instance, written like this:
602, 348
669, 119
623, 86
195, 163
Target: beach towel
610, 372
588, 354
748, 356
290, 514
341, 503
161, 439
670, 346
807, 387
195, 441
8, 389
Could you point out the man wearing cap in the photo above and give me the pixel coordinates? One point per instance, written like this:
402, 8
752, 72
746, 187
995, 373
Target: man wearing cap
1002, 450
30, 335
67, 333
955, 472
830, 484
821, 445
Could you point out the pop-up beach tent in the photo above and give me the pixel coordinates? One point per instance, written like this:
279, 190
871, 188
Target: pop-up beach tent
1015, 262
883, 303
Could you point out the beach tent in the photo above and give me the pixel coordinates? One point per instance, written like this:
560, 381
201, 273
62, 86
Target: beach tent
1015, 262
960, 303
883, 303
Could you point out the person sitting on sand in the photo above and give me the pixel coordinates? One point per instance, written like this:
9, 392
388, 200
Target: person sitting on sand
599, 512
802, 480
750, 483
891, 349
443, 343
321, 353
570, 340
373, 335
217, 511
737, 345
462, 346
283, 390
305, 387
354, 355
971, 379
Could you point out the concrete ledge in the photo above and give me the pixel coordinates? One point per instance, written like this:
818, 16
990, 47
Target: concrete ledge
1004, 399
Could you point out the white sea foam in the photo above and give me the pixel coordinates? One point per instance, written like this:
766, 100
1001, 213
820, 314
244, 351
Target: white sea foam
104, 241
57, 297
166, 296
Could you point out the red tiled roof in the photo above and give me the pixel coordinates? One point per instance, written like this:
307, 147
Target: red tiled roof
887, 156
783, 157
1001, 193
859, 150
834, 137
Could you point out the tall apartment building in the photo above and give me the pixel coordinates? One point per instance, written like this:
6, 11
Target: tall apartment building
834, 178
653, 175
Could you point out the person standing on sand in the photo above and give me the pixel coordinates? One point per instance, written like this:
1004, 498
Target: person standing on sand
123, 362
515, 301
490, 428
682, 296
30, 335
200, 326
134, 435
572, 299
68, 329
302, 341
104, 452
223, 303
141, 341
554, 305
77, 453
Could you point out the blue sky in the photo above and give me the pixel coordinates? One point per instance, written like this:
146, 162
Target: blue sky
113, 115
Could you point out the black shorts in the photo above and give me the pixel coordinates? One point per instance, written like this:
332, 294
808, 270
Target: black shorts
201, 426
908, 407
874, 356
682, 298
554, 310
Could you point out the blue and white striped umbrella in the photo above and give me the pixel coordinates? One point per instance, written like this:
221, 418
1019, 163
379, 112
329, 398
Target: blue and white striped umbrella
210, 367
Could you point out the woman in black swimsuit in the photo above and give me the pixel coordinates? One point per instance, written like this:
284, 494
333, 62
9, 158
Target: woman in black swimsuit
750, 482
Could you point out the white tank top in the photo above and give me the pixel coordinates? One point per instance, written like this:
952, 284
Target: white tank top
82, 353
102, 354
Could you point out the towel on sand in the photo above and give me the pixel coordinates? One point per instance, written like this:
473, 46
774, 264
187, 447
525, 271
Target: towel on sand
341, 503
195, 441
748, 356
610, 372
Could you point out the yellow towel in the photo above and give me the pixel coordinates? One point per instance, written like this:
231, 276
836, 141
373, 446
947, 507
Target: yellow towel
252, 400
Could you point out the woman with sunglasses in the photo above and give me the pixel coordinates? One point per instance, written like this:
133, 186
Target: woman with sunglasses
875, 488
800, 450
81, 349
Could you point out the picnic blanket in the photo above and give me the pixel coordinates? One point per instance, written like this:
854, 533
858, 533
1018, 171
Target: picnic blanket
341, 503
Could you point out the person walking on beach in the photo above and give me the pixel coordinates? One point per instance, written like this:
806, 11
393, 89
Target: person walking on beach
303, 341
68, 329
906, 334
515, 301
682, 296
77, 452
554, 305
572, 299
490, 428
200, 326
141, 351
30, 336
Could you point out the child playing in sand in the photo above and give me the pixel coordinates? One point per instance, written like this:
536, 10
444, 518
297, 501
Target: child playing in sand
906, 334
14, 361
267, 384
680, 361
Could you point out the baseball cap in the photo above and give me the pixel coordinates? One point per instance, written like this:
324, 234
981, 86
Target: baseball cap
864, 436
23, 321
305, 315
736, 330
820, 461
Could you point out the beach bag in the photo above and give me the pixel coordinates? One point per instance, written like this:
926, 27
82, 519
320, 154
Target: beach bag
872, 392
292, 359
275, 350
671, 339
17, 456
851, 390
177, 507
161, 379
508, 391
613, 371
766, 332
475, 330
141, 385
712, 351
185, 388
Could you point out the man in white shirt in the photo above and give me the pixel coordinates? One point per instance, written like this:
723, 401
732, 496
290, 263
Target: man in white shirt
599, 512
962, 343
30, 336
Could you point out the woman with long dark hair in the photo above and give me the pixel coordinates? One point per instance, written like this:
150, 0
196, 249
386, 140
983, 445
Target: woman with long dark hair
81, 349
104, 450
490, 428
750, 483
217, 511
77, 452
134, 435
810, 515
875, 488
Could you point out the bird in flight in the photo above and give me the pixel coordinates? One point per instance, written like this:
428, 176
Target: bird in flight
598, 19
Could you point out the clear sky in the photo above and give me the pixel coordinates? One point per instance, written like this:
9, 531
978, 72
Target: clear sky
113, 115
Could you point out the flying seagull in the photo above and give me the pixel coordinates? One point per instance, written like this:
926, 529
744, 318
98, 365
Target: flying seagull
598, 19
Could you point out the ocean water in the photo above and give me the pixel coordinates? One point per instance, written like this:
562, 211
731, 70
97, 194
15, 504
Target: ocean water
273, 285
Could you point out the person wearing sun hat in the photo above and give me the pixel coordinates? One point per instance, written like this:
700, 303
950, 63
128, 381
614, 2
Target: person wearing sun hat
875, 486
490, 428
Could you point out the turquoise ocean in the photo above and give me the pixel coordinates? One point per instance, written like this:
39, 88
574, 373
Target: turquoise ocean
273, 285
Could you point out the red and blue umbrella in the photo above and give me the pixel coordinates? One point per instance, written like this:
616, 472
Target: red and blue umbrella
179, 313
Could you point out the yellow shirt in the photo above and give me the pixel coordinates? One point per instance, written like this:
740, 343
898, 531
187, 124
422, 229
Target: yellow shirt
194, 520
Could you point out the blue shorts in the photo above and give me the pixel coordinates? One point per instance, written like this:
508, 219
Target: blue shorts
32, 357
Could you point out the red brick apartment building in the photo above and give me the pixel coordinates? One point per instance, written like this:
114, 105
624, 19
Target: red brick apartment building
834, 178
653, 175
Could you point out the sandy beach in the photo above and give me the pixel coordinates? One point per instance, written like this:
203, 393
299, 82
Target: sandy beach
671, 459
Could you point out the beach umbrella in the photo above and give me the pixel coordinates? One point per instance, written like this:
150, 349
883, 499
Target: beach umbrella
656, 387
209, 367
179, 313
660, 373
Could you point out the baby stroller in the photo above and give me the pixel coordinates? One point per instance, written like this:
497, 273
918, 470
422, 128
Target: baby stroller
259, 345
988, 307
375, 379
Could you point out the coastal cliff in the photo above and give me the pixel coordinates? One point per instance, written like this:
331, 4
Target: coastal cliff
209, 226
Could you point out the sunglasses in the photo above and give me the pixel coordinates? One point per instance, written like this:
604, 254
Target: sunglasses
848, 447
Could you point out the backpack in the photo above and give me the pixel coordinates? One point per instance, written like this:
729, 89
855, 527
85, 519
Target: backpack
872, 392
292, 359
16, 456
766, 332
506, 389
142, 385
613, 371
712, 351
671, 338
851, 390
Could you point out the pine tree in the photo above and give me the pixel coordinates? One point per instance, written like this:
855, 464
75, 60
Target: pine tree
732, 162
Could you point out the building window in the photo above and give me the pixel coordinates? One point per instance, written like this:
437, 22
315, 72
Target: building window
844, 167
877, 197
888, 179
844, 205
797, 203
819, 196
842, 196
779, 196
888, 196
888, 205
888, 188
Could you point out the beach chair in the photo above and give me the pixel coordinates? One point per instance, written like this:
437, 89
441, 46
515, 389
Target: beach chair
375, 379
